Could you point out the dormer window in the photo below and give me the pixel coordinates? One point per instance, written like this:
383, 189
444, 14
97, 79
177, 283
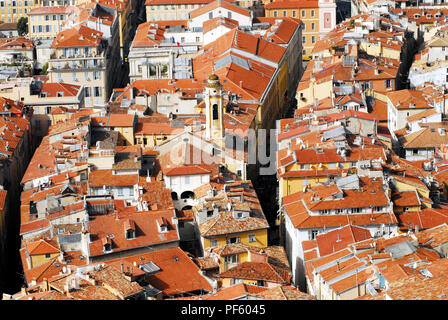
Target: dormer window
233, 240
129, 229
107, 248
130, 234
162, 224
107, 244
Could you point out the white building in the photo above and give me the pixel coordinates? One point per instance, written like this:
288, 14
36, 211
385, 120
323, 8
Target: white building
306, 214
183, 180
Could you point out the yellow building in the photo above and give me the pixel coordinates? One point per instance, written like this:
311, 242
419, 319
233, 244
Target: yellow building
409, 183
40, 252
153, 134
157, 10
307, 11
268, 267
310, 89
47, 22
234, 216
12, 11
124, 124
313, 167
80, 57
406, 201
257, 238
318, 17
386, 48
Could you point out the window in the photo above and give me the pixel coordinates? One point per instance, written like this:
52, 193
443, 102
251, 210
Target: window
107, 247
304, 166
231, 259
312, 13
339, 211
303, 13
209, 213
213, 243
312, 26
261, 283
130, 234
313, 39
303, 41
215, 112
275, 13
233, 240
97, 91
187, 180
252, 238
284, 13
325, 211
294, 13
229, 14
313, 234
388, 83
356, 210
88, 91
210, 15
378, 209
47, 255
74, 76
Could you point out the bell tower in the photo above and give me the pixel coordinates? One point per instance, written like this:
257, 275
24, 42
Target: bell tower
214, 113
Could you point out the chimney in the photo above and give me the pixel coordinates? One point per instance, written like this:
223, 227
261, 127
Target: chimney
46, 285
75, 283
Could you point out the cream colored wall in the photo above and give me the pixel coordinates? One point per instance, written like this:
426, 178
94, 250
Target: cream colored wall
55, 26
170, 11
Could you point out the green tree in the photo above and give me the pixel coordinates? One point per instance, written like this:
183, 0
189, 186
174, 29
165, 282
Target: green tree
45, 68
22, 26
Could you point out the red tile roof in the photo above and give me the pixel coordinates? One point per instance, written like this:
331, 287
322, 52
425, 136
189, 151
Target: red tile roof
146, 231
258, 271
99, 178
52, 10
42, 246
79, 36
187, 170
338, 239
51, 89
169, 280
